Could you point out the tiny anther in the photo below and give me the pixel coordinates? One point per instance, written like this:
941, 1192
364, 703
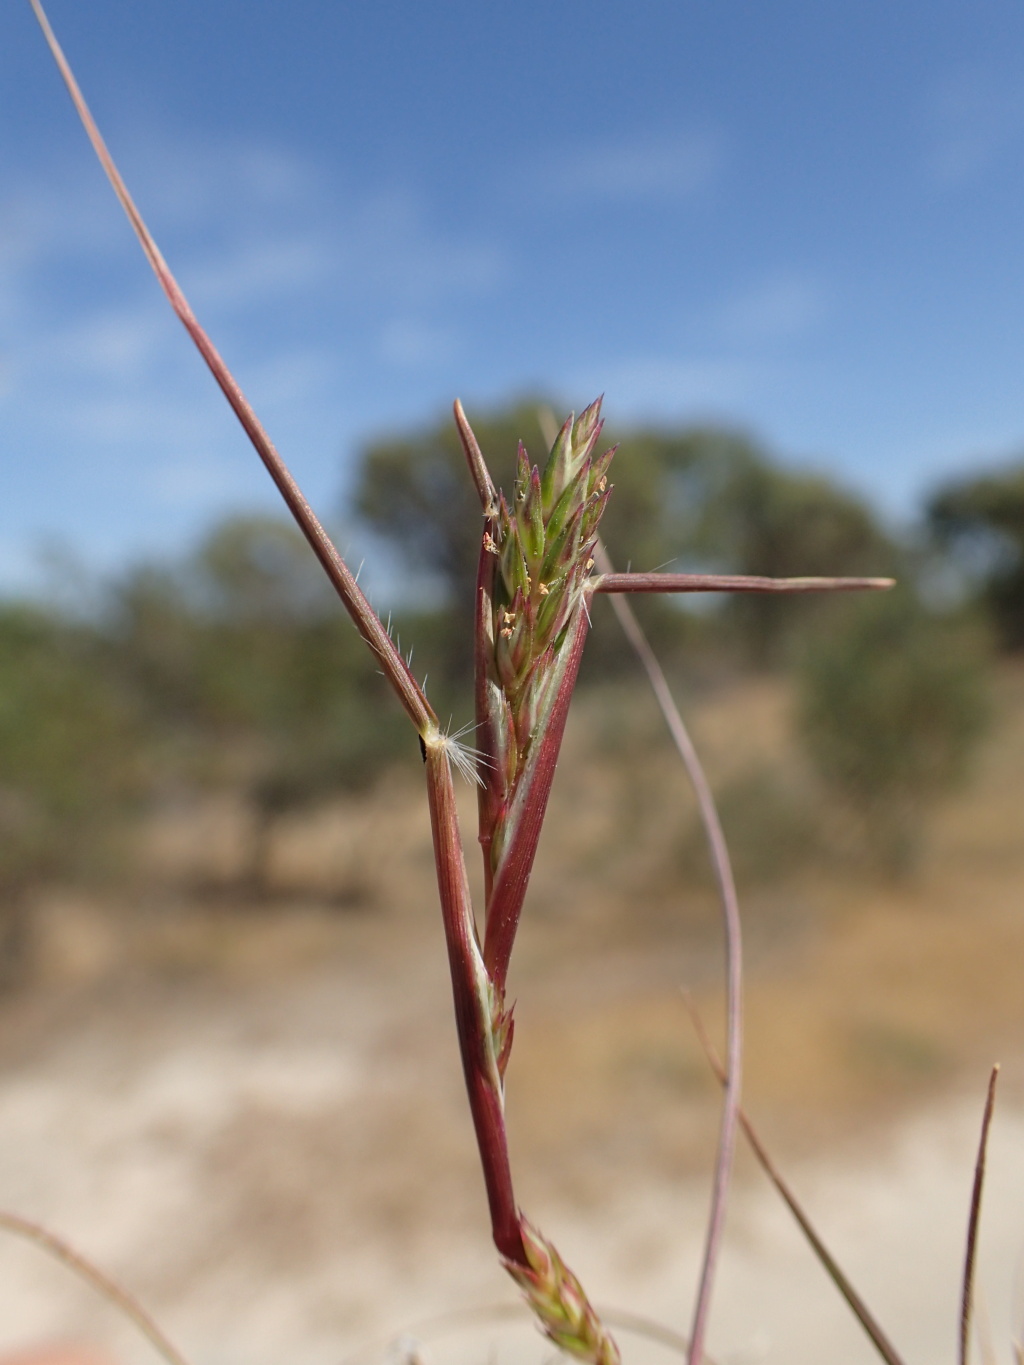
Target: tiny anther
509, 618
543, 589
489, 544
506, 632
589, 565
602, 484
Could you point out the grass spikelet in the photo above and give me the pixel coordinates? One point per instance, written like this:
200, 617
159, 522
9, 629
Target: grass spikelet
535, 564
558, 1302
545, 540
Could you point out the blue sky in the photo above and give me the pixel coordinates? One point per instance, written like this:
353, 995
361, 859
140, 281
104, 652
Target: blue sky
805, 218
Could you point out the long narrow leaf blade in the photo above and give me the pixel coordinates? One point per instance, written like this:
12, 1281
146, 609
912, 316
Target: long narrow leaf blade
527, 817
396, 670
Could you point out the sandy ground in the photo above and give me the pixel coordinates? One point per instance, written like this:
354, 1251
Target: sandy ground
287, 1174
255, 1117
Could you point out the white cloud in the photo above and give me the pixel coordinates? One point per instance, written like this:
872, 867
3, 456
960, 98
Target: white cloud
119, 345
414, 343
192, 480
141, 419
667, 386
242, 225
388, 243
256, 270
188, 183
779, 308
60, 211
642, 167
972, 122
98, 360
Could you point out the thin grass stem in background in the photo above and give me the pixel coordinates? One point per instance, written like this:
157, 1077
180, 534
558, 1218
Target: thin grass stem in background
97, 1279
608, 581
864, 1316
971, 1255
719, 853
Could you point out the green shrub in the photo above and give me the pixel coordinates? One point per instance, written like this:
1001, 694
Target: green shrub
890, 706
70, 760
980, 522
770, 826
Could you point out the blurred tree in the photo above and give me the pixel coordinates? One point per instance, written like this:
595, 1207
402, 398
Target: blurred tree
260, 569
69, 755
252, 675
981, 521
767, 520
890, 705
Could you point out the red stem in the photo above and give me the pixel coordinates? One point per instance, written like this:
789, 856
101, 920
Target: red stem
713, 582
471, 1022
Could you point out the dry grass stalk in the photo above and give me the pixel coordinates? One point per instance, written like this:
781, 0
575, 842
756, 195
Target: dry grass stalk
115, 1293
858, 1307
970, 1256
718, 852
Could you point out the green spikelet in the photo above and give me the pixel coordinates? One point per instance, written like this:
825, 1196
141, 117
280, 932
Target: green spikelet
544, 542
557, 1299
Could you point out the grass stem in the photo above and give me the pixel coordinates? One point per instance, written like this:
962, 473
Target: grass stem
971, 1254
611, 582
864, 1316
108, 1288
472, 1006
726, 883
